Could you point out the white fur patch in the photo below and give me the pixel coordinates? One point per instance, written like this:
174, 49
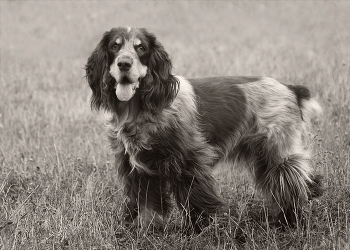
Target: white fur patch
311, 108
185, 98
137, 41
275, 109
118, 40
271, 101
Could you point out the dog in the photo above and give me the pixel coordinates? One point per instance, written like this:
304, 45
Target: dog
168, 133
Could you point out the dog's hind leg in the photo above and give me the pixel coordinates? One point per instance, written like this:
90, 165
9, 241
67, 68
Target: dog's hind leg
286, 184
282, 172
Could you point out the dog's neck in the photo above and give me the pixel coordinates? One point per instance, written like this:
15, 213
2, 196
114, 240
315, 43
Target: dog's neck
132, 125
127, 112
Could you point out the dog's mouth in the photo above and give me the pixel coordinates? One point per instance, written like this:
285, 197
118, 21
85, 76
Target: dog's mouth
125, 89
125, 80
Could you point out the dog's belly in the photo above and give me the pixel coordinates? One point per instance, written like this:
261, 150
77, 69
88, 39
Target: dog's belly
222, 107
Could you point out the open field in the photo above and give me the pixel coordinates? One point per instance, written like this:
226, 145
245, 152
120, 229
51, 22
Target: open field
58, 186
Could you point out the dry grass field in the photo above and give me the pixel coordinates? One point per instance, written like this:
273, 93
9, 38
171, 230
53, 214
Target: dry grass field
58, 186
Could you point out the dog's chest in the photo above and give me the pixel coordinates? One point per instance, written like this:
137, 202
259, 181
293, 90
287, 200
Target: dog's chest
138, 140
137, 135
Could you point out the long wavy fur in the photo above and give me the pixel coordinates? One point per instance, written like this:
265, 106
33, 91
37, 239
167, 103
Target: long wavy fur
169, 136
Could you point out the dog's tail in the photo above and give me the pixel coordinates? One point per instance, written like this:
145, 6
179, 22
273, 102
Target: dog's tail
309, 107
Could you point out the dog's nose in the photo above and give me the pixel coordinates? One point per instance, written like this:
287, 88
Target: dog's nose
125, 63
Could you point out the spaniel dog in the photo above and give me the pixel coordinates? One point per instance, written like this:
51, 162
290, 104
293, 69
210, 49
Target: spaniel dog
168, 133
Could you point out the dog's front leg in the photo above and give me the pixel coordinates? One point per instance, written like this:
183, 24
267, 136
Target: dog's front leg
131, 187
147, 194
196, 196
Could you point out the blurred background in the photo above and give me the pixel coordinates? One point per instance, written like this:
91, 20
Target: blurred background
44, 98
214, 37
44, 45
53, 149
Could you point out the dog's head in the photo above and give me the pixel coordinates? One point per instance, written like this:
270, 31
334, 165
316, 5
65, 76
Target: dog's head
130, 63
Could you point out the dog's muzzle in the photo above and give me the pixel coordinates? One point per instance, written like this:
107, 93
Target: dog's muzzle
125, 63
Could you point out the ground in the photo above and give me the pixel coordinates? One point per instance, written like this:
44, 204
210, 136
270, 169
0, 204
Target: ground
58, 184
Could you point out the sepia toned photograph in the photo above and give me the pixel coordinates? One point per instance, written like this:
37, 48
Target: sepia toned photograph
174, 125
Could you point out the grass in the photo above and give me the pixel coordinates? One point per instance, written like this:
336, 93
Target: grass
58, 185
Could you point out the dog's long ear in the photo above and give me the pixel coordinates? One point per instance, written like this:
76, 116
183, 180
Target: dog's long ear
97, 73
160, 86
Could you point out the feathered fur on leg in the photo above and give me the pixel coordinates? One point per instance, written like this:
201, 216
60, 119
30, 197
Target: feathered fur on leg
195, 194
146, 195
286, 184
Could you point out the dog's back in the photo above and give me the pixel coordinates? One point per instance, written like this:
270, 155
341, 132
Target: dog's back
263, 124
230, 107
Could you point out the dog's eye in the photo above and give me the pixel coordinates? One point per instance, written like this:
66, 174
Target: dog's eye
115, 46
140, 48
